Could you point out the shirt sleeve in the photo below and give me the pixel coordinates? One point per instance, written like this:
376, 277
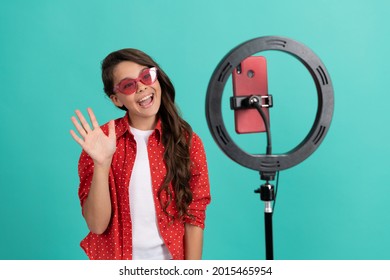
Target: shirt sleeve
199, 184
85, 169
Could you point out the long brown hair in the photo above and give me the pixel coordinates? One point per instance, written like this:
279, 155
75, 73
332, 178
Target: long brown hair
176, 132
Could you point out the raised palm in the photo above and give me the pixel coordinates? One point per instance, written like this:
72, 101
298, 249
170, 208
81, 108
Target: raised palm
99, 146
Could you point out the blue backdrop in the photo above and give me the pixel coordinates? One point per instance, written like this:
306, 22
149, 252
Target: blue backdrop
334, 205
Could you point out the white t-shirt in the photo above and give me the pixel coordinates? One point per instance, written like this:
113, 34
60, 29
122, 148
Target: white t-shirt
147, 241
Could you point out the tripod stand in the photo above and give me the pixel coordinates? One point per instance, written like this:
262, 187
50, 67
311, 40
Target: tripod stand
266, 191
267, 194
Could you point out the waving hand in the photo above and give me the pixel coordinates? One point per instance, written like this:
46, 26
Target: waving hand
94, 141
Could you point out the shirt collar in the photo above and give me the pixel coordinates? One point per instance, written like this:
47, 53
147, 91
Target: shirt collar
122, 126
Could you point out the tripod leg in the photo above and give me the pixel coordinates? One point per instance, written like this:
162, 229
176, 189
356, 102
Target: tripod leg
268, 235
267, 195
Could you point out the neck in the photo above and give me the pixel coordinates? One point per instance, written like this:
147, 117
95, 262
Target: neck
143, 123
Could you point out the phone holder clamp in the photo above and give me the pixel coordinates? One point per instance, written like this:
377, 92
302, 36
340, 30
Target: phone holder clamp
246, 102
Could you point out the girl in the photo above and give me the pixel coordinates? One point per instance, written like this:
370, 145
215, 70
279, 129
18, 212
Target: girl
144, 184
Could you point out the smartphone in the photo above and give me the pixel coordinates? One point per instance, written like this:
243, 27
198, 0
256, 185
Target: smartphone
250, 78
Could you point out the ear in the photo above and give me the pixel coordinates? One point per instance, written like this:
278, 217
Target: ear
114, 98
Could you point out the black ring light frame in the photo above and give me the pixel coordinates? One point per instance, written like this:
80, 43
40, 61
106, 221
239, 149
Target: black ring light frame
270, 163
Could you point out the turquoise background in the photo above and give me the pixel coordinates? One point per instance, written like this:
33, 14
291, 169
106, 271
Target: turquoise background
334, 205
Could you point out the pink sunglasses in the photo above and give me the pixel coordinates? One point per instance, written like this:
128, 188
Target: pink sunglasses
129, 86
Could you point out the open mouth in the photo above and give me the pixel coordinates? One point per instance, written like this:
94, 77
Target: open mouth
146, 101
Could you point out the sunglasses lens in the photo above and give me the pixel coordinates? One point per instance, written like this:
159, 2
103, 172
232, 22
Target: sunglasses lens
148, 76
127, 86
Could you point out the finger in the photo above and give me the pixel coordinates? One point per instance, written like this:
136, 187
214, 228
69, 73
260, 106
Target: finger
80, 129
83, 121
111, 128
93, 118
76, 138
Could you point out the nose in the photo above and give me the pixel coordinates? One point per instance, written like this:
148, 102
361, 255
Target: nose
140, 86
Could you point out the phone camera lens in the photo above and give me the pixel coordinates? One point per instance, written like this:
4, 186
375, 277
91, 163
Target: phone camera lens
251, 73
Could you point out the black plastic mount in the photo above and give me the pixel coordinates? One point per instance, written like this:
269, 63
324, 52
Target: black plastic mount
270, 163
244, 102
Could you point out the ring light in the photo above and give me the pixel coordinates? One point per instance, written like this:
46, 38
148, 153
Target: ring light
270, 163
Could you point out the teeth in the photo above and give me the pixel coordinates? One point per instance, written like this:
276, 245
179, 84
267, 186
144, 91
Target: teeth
145, 98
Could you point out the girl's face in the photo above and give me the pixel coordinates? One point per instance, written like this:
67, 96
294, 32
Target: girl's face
144, 103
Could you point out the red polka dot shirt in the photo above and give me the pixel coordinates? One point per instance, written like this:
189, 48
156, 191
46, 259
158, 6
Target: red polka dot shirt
116, 241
